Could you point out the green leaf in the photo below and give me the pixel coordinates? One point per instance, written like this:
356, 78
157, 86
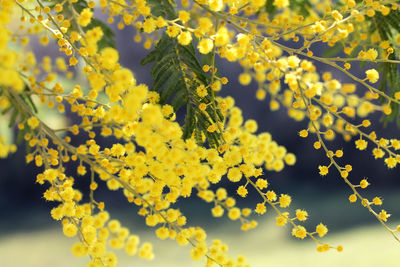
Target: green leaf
302, 7
164, 8
15, 112
176, 74
386, 27
198, 136
5, 111
179, 100
28, 99
270, 8
333, 50
78, 6
13, 118
20, 136
189, 122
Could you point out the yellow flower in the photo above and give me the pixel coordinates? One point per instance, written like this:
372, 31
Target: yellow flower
205, 46
184, 16
234, 214
271, 195
167, 110
301, 215
33, 122
216, 5
149, 25
352, 198
336, 15
172, 31
391, 162
185, 38
285, 200
260, 208
361, 144
372, 75
377, 201
244, 78
222, 37
383, 215
85, 17
217, 211
299, 232
281, 220
323, 170
234, 174
364, 183
303, 133
321, 230
70, 229
109, 57
281, 3
205, 25
79, 249
258, 3
242, 191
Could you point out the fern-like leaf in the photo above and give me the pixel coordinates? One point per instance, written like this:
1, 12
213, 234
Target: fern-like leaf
176, 75
386, 26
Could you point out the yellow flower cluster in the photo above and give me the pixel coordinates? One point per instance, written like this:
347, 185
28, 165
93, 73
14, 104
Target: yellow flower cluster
149, 161
6, 149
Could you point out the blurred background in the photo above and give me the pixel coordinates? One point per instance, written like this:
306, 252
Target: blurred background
29, 237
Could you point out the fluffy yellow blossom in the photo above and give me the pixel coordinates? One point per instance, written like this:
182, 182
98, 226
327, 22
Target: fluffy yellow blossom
323, 170
33, 122
281, 3
242, 191
149, 25
216, 5
299, 232
258, 3
262, 183
184, 16
70, 230
234, 174
303, 133
217, 211
222, 36
156, 157
352, 198
281, 220
383, 215
234, 214
372, 75
205, 24
361, 144
390, 162
185, 38
284, 200
336, 14
205, 46
260, 208
109, 57
301, 215
321, 230
244, 79
201, 91
271, 195
85, 17
172, 31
